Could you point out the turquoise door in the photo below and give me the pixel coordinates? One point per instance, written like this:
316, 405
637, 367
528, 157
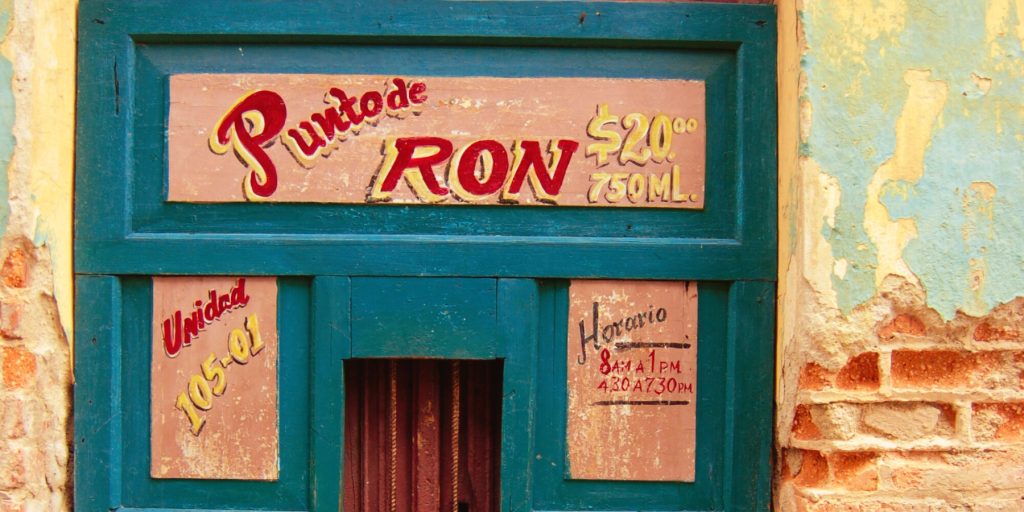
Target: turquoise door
199, 212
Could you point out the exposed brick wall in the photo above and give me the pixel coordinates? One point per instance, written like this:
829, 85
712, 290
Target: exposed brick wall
34, 385
918, 414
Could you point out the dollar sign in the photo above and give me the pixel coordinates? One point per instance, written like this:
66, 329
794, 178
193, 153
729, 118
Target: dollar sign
612, 141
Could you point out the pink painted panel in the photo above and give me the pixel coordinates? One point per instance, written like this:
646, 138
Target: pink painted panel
439, 140
632, 380
214, 378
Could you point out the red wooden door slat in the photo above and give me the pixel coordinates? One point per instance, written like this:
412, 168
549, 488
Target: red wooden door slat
422, 409
427, 480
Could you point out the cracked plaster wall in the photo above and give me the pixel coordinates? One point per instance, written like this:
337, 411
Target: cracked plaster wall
37, 91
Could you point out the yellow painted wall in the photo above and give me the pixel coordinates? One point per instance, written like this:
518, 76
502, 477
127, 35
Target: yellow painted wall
41, 46
51, 86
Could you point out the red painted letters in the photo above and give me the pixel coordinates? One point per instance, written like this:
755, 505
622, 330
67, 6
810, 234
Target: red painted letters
249, 126
179, 330
320, 134
415, 159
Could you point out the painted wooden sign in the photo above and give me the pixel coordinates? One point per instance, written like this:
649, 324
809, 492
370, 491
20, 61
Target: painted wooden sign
632, 370
439, 140
214, 378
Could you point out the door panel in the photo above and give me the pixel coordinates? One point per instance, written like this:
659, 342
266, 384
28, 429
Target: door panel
424, 317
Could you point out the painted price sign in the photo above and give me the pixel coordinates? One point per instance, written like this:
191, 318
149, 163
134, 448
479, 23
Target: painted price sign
632, 371
214, 378
437, 140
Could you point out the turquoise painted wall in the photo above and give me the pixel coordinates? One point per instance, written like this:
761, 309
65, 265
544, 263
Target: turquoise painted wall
6, 115
966, 203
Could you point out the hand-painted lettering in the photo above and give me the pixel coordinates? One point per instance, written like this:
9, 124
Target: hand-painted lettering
179, 330
242, 345
415, 158
248, 127
609, 333
257, 119
358, 139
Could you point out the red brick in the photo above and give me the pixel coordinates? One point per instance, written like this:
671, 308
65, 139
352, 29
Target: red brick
1018, 361
942, 368
10, 320
1010, 426
906, 477
800, 502
784, 469
910, 503
962, 471
845, 504
814, 377
10, 504
948, 414
12, 423
813, 470
19, 367
987, 332
856, 471
861, 372
15, 268
12, 470
902, 324
803, 424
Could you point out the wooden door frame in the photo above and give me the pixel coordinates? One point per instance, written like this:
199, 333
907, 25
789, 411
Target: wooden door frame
125, 231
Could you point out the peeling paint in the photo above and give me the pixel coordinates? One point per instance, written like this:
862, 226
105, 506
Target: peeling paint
6, 111
890, 235
52, 88
913, 102
37, 87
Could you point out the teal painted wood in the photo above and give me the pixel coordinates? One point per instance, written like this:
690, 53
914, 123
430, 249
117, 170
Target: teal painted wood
103, 132
155, 63
332, 317
757, 147
450, 318
291, 491
331, 344
515, 335
727, 45
749, 405
97, 414
517, 329
167, 20
432, 256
